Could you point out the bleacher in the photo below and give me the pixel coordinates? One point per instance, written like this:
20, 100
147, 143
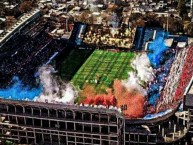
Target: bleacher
137, 43
25, 52
144, 36
21, 23
78, 33
187, 73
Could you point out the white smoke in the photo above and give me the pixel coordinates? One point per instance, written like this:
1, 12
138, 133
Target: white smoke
50, 84
133, 83
54, 90
144, 70
68, 94
143, 73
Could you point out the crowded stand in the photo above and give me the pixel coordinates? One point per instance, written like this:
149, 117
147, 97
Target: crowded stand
142, 78
23, 21
26, 51
21, 51
105, 36
147, 82
186, 75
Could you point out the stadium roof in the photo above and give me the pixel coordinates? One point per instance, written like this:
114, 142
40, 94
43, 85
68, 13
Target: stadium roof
21, 22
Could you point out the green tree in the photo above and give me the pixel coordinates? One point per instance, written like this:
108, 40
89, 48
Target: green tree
182, 9
189, 29
25, 6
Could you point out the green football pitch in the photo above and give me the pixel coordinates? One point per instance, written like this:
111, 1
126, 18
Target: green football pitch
102, 68
72, 62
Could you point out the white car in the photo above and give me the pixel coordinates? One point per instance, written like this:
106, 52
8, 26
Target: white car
172, 10
150, 10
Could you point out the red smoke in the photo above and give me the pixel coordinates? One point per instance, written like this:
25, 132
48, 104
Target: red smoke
101, 99
130, 101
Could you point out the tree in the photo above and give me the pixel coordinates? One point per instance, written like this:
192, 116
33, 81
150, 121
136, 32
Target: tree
189, 29
140, 22
10, 20
86, 17
182, 9
25, 6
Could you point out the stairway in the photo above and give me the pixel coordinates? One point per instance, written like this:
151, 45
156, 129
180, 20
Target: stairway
178, 128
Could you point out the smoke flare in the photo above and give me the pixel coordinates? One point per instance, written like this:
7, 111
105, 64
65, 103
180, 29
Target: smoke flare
55, 90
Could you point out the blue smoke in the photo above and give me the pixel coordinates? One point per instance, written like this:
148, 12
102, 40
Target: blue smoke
161, 58
20, 92
157, 48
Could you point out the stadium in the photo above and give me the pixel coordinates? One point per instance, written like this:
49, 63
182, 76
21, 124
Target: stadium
99, 91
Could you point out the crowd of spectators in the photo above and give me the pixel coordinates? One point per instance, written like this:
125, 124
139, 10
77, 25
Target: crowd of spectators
38, 59
117, 37
25, 52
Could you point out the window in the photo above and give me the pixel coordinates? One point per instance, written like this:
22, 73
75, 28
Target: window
19, 109
36, 111
69, 114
